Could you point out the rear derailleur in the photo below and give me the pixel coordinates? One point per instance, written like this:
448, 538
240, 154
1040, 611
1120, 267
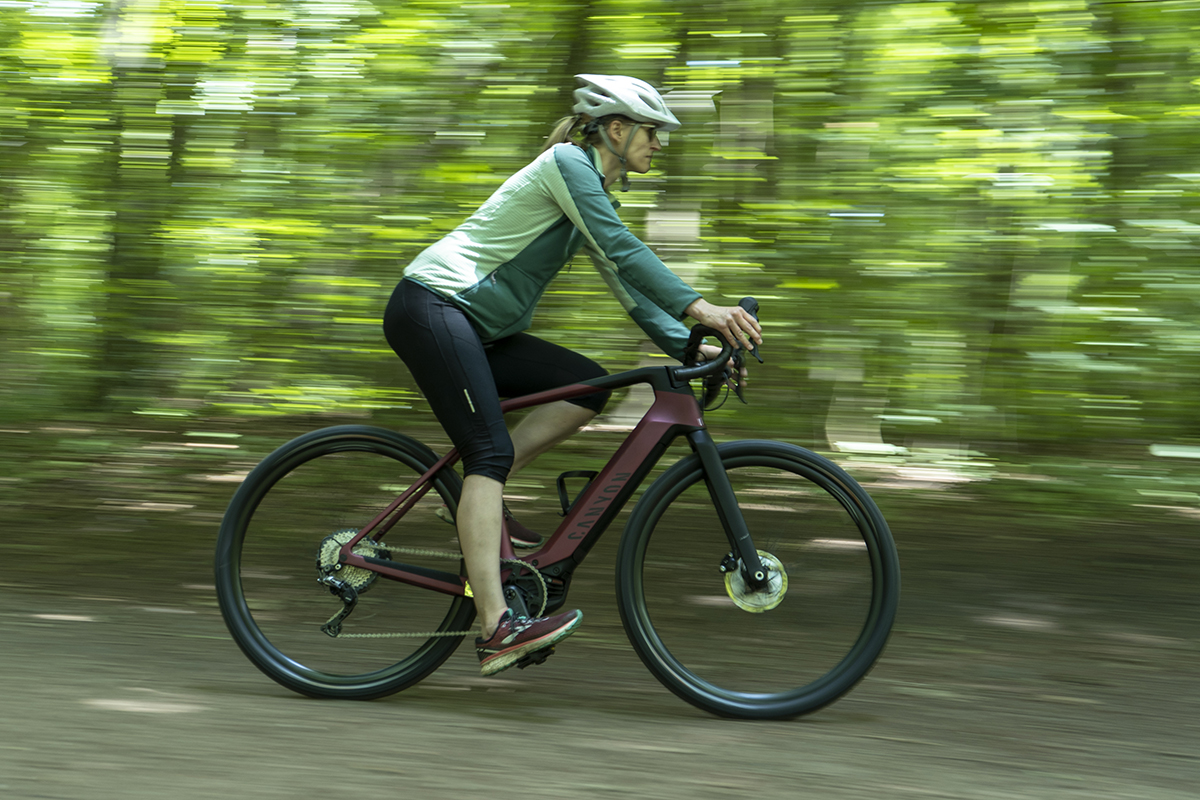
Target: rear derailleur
349, 597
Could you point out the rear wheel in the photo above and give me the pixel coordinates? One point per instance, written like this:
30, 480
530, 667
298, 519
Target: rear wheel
296, 508
800, 643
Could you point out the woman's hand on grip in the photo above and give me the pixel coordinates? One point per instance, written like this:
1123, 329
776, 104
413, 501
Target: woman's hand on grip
734, 323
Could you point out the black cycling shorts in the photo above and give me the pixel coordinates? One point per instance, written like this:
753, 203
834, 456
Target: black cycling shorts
464, 379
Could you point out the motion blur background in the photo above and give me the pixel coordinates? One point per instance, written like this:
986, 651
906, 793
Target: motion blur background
972, 226
973, 230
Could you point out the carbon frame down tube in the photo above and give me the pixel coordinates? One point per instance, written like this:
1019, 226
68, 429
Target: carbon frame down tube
673, 413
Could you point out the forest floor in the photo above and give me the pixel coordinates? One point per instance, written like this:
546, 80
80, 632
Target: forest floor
1032, 657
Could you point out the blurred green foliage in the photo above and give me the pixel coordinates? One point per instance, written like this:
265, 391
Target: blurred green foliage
972, 226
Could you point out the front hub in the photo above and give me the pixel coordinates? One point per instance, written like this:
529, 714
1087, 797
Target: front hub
761, 598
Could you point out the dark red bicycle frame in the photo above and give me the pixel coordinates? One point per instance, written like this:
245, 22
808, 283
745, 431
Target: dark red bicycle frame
675, 412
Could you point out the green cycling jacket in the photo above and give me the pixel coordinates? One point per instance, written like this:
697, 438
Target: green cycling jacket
496, 265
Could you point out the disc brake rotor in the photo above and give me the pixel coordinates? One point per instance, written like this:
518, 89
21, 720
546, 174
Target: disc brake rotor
758, 600
327, 559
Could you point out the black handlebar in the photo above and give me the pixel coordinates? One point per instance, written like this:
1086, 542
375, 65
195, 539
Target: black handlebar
683, 374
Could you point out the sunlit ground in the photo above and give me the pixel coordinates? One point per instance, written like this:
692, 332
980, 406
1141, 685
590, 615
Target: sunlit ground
1035, 655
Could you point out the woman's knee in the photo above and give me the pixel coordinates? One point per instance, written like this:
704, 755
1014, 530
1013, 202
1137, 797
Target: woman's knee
494, 461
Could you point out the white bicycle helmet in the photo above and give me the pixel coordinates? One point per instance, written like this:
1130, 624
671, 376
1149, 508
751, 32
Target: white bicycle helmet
602, 95
605, 95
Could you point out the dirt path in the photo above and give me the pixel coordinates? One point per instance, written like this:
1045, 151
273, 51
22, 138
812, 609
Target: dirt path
1019, 667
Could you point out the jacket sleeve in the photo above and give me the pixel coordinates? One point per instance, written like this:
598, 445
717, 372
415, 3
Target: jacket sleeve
663, 329
652, 294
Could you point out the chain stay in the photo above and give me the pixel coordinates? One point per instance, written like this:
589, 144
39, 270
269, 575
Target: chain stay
418, 551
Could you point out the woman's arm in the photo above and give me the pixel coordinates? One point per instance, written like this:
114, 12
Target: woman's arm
574, 185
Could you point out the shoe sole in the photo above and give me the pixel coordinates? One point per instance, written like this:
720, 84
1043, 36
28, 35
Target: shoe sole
505, 660
444, 515
524, 544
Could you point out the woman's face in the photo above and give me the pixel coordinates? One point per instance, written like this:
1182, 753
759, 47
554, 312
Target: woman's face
642, 149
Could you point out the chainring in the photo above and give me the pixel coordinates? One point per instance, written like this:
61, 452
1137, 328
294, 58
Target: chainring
534, 594
758, 601
358, 578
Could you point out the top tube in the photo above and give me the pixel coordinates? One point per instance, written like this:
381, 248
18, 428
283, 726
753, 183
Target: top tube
659, 378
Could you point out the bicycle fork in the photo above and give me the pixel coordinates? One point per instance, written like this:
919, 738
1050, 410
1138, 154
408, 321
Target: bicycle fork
720, 489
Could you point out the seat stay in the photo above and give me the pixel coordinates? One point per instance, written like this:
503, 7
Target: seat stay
409, 498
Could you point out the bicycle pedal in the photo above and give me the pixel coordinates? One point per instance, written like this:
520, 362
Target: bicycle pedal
536, 657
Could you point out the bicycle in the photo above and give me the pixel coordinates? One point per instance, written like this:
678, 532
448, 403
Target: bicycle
755, 579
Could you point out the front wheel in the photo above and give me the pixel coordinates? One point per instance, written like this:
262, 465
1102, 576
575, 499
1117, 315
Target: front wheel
290, 517
791, 648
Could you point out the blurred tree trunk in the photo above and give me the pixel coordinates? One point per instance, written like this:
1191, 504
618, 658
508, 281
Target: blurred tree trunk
137, 300
578, 54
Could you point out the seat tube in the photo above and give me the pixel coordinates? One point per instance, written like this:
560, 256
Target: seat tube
730, 513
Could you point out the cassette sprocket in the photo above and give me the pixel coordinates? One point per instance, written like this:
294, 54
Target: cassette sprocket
358, 578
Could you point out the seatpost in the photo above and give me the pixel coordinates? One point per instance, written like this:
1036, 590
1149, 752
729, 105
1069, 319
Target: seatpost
728, 510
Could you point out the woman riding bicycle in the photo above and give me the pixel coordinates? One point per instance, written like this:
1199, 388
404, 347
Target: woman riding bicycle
458, 317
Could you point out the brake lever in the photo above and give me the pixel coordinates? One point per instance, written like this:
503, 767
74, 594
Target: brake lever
751, 305
736, 376
729, 378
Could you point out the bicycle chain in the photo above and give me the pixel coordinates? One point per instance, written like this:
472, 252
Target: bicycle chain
417, 551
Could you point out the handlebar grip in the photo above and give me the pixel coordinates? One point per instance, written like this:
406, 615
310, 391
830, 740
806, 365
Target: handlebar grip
715, 366
750, 305
698, 332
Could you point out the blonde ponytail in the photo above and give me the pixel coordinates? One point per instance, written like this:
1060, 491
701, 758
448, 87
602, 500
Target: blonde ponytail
563, 129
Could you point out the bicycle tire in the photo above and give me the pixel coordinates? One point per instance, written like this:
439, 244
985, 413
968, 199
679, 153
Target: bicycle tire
832, 621
328, 481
